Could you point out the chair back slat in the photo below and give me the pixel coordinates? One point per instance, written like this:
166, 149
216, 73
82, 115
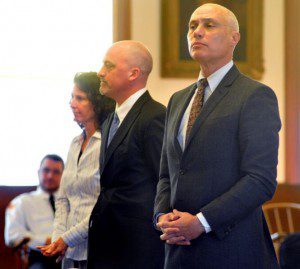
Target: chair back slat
278, 220
268, 221
290, 219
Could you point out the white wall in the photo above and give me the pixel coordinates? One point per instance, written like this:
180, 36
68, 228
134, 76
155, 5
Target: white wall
146, 28
39, 56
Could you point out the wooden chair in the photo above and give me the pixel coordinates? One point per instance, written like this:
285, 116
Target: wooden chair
282, 219
10, 258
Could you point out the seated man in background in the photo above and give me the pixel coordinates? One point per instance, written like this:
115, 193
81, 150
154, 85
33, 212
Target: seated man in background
29, 217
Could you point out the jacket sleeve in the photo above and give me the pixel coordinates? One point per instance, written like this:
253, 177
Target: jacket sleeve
163, 194
153, 140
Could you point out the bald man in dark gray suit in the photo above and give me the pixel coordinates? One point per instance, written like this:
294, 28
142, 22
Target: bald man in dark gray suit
219, 157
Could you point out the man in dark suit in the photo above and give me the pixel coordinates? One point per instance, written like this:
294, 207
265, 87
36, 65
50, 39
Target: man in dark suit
219, 157
121, 233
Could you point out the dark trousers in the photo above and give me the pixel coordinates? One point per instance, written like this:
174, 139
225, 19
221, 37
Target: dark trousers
37, 261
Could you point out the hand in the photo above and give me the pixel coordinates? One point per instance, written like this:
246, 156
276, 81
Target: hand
180, 231
171, 233
165, 218
58, 247
48, 241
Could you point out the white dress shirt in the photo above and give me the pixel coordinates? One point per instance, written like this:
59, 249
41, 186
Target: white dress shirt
29, 215
125, 107
213, 82
78, 193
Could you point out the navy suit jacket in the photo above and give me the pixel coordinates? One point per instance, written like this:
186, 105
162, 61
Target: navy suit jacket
226, 171
121, 233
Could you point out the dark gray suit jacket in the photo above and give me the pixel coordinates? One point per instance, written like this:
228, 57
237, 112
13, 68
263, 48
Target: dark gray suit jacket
121, 233
226, 171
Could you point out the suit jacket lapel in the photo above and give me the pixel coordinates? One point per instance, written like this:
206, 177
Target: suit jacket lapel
124, 127
181, 109
213, 100
104, 138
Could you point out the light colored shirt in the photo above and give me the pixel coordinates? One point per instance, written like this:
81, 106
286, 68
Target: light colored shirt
29, 215
78, 193
213, 82
125, 107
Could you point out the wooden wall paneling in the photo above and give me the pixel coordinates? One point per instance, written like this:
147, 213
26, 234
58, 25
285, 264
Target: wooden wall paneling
292, 93
121, 20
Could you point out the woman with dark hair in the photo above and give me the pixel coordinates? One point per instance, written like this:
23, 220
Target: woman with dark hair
80, 183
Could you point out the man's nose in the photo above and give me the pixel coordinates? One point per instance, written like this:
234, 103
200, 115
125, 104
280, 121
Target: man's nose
101, 73
49, 176
199, 32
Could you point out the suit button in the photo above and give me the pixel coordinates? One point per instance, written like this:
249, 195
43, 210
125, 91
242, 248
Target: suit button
181, 171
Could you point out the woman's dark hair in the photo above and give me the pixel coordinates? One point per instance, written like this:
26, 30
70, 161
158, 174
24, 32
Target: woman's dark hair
89, 83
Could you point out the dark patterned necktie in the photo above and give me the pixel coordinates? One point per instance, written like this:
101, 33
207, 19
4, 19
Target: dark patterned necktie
196, 106
52, 202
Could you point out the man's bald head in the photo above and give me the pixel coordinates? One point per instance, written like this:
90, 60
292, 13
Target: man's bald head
126, 67
212, 36
228, 15
136, 54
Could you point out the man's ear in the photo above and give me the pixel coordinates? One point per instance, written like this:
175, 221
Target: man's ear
134, 73
235, 38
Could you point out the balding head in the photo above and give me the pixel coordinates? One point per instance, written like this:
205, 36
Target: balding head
126, 67
228, 15
136, 54
212, 37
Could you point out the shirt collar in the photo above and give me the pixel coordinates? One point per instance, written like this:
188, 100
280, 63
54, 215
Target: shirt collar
97, 134
215, 78
125, 107
79, 138
45, 194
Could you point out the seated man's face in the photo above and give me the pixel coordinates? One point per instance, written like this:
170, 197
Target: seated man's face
50, 174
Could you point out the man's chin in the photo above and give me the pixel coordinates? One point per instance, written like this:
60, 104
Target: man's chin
103, 90
197, 56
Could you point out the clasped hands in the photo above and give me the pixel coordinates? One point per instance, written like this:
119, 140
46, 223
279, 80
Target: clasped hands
179, 228
57, 248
